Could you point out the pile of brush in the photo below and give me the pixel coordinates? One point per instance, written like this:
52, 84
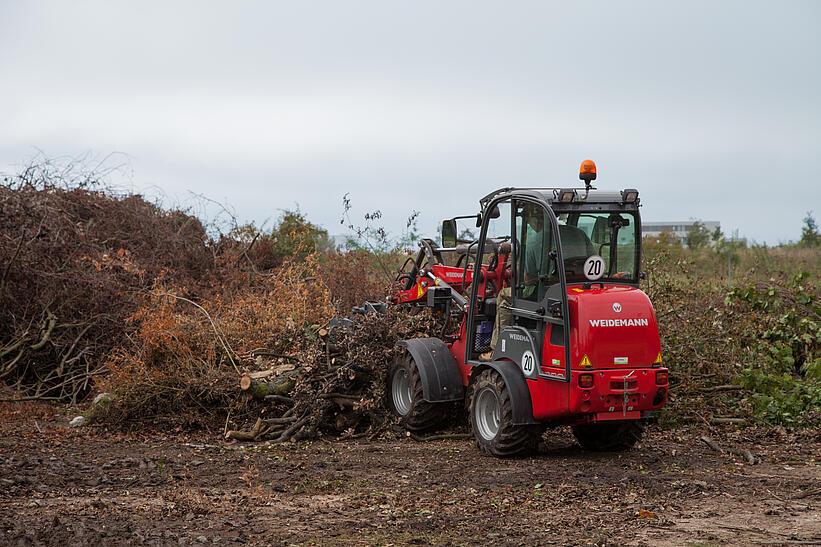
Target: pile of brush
335, 385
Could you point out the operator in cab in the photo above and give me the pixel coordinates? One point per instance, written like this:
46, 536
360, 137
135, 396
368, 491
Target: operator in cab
534, 258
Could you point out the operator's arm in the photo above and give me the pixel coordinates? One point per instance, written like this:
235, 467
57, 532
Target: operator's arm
531, 279
533, 259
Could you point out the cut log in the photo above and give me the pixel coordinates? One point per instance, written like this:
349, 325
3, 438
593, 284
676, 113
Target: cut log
288, 433
280, 421
750, 457
259, 389
251, 435
273, 371
712, 444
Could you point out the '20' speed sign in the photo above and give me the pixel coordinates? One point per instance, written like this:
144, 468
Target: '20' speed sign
528, 363
594, 267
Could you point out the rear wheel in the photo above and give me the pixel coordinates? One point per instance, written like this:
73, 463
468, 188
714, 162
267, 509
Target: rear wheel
609, 436
405, 397
491, 419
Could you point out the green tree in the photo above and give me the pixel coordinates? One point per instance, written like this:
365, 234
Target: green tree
667, 239
698, 236
294, 235
809, 232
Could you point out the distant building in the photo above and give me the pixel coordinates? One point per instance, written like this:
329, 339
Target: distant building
676, 228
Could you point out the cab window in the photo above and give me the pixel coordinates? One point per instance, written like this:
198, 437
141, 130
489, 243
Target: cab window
535, 270
610, 235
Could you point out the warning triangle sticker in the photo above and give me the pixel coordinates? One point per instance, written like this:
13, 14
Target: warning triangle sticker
658, 359
585, 362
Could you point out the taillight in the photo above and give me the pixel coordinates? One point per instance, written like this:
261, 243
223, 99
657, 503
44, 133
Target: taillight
662, 377
585, 380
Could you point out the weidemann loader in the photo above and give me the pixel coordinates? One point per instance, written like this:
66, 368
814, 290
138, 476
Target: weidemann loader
548, 325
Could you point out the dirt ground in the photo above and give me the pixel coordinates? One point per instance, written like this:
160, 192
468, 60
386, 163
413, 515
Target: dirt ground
60, 486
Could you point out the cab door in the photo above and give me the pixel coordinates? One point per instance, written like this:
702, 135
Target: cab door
539, 299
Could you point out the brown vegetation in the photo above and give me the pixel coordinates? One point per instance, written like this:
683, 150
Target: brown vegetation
73, 262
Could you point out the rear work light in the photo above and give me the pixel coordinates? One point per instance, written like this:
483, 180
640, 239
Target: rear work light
662, 377
566, 195
585, 380
630, 195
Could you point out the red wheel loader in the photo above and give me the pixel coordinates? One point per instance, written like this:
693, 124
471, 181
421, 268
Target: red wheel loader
546, 323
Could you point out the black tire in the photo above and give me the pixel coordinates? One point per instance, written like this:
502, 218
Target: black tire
417, 414
609, 436
509, 439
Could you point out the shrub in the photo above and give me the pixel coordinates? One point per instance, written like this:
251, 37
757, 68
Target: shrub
184, 361
783, 369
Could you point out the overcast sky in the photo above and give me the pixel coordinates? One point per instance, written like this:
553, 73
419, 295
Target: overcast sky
711, 109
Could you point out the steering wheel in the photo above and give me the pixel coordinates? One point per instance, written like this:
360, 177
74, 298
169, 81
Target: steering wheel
574, 267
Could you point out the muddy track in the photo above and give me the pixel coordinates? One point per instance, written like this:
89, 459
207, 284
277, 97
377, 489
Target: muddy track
61, 486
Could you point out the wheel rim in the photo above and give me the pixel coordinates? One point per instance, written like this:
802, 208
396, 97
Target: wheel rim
401, 391
488, 414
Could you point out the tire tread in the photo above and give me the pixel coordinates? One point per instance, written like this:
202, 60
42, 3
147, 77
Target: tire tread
423, 415
512, 440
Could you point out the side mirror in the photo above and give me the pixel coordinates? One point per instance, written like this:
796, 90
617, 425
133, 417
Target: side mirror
618, 220
449, 233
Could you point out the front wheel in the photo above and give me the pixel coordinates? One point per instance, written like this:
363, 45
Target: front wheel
609, 436
405, 398
491, 419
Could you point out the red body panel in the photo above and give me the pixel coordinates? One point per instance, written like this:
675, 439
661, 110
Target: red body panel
614, 326
558, 401
452, 275
457, 349
456, 278
615, 344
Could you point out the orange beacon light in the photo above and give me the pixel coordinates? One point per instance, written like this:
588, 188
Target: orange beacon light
587, 171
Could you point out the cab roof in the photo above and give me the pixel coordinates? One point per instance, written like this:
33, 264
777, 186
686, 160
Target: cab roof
594, 197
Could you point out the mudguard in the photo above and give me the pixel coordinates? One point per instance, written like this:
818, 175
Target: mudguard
519, 392
516, 344
438, 371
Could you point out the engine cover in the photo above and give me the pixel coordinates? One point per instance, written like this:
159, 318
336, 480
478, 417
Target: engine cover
612, 327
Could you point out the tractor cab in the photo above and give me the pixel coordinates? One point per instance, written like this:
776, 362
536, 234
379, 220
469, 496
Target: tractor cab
548, 306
